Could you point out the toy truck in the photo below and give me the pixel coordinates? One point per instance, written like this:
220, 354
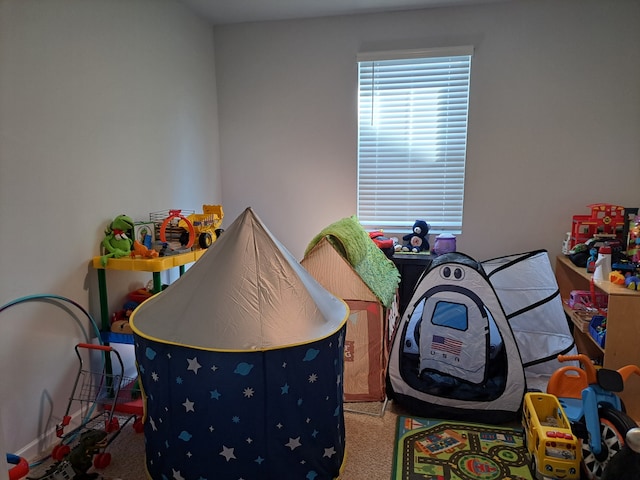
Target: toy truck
184, 228
554, 451
206, 224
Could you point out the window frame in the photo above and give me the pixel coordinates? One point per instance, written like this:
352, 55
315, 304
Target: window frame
383, 202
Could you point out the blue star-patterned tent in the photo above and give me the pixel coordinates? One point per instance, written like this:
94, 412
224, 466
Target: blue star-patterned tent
241, 365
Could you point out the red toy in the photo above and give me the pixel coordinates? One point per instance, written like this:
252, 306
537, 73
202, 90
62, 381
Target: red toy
380, 240
604, 220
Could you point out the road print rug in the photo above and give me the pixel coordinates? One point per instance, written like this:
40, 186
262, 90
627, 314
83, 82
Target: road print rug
430, 449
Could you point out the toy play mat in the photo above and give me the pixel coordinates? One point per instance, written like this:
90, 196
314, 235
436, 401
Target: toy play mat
442, 449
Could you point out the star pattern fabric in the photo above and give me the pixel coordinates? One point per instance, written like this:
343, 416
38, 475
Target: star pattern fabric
243, 415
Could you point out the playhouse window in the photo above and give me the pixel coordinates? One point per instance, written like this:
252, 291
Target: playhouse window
452, 315
412, 137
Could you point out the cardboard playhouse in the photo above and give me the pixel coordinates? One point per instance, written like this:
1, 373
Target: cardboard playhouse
345, 261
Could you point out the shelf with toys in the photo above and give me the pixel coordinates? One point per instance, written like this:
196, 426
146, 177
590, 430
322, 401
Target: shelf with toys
170, 239
598, 280
622, 323
155, 266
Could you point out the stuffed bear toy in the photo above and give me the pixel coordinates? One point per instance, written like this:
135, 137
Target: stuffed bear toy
417, 240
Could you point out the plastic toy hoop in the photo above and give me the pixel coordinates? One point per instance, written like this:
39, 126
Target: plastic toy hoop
21, 466
176, 214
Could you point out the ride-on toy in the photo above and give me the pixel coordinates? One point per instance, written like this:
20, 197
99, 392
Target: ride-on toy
589, 398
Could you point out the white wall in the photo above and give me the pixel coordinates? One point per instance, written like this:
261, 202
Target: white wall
106, 107
553, 125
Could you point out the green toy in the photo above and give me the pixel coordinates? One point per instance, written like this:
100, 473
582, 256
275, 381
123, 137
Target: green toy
118, 242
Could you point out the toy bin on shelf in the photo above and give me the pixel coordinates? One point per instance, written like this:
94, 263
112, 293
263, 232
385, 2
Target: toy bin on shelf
598, 329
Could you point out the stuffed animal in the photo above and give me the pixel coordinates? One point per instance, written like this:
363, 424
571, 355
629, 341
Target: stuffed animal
418, 240
117, 241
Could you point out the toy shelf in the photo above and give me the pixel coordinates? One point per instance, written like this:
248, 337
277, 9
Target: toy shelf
623, 326
153, 265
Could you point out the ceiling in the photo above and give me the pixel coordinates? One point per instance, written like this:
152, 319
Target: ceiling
221, 12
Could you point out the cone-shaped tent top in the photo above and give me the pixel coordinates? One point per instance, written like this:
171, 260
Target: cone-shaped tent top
247, 292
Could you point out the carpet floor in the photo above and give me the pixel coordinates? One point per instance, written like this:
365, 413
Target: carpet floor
370, 439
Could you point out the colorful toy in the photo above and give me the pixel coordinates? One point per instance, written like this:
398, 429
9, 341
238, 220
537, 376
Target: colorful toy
635, 258
386, 244
632, 282
616, 278
585, 299
591, 261
187, 227
117, 242
206, 225
590, 401
140, 250
20, 468
604, 220
187, 237
120, 319
554, 451
418, 240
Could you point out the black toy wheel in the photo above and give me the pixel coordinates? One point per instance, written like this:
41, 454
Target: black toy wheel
613, 428
533, 466
205, 240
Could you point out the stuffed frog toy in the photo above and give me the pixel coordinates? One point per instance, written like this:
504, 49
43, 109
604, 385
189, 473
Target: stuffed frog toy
117, 241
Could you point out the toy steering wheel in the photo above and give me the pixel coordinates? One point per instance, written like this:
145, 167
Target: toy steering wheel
177, 214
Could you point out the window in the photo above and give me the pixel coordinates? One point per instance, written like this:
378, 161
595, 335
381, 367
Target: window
412, 138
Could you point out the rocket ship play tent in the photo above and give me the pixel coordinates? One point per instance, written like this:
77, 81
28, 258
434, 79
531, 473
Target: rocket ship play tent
454, 354
241, 365
526, 286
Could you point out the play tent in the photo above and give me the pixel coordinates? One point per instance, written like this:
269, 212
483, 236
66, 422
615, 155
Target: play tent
454, 354
529, 294
241, 366
344, 259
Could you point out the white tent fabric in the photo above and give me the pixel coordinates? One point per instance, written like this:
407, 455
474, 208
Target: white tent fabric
454, 354
526, 286
253, 286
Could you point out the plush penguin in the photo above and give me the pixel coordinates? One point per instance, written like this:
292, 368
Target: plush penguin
418, 240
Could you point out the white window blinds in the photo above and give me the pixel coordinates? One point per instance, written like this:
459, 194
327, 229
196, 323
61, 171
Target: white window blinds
412, 138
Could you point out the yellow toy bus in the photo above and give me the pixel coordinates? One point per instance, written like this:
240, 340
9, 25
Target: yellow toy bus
554, 451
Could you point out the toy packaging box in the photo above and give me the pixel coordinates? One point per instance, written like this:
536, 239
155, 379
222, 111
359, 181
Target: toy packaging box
144, 232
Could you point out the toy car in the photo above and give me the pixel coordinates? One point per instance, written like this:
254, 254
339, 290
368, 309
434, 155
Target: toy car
554, 451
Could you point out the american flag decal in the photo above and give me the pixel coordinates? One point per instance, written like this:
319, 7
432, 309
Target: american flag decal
445, 344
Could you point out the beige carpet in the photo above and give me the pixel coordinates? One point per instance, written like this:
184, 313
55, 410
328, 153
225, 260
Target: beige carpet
370, 442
